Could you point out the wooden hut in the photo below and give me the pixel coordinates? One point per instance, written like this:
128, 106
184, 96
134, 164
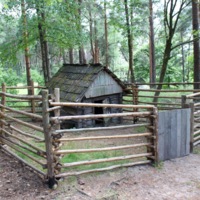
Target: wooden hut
92, 83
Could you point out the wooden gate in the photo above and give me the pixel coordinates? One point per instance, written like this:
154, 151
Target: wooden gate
173, 134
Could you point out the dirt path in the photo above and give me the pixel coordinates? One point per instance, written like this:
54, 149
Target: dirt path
175, 179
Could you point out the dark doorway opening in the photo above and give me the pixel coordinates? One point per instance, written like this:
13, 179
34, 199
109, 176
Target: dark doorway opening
98, 111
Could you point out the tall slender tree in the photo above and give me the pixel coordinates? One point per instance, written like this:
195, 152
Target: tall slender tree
40, 8
106, 33
172, 12
26, 48
82, 58
196, 50
130, 39
151, 45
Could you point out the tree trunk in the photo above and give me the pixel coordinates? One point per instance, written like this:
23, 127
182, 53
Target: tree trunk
82, 59
71, 56
26, 49
91, 33
96, 44
130, 41
43, 41
183, 58
196, 52
151, 45
171, 18
106, 33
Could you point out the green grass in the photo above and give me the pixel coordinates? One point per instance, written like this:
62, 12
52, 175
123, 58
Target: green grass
158, 165
196, 150
75, 157
29, 160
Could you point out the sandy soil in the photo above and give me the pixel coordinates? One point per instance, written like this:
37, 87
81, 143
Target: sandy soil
174, 179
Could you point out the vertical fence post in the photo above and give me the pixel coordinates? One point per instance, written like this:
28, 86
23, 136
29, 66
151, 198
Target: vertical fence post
191, 126
183, 101
155, 133
154, 139
135, 99
3, 102
57, 99
3, 99
134, 94
32, 101
48, 140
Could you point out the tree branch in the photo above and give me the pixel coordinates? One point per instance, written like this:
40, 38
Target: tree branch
183, 43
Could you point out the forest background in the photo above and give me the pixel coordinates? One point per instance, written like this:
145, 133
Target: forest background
139, 40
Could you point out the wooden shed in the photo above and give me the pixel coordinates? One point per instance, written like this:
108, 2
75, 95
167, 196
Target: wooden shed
92, 83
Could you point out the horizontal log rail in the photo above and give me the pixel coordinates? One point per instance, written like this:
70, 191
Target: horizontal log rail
24, 148
7, 142
78, 117
196, 133
160, 103
31, 97
193, 95
152, 96
39, 151
101, 149
196, 143
22, 122
165, 83
130, 101
102, 128
20, 131
16, 142
54, 108
100, 105
167, 108
119, 158
196, 126
196, 138
197, 112
16, 101
102, 169
106, 137
160, 97
21, 112
196, 104
169, 90
25, 87
23, 161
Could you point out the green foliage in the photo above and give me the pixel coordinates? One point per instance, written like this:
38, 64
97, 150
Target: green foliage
65, 29
36, 77
9, 77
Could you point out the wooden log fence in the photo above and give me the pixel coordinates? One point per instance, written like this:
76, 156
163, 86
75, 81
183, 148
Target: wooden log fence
43, 148
29, 103
48, 150
27, 142
169, 99
192, 101
63, 138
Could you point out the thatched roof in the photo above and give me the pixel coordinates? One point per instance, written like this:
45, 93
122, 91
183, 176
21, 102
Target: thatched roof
74, 80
